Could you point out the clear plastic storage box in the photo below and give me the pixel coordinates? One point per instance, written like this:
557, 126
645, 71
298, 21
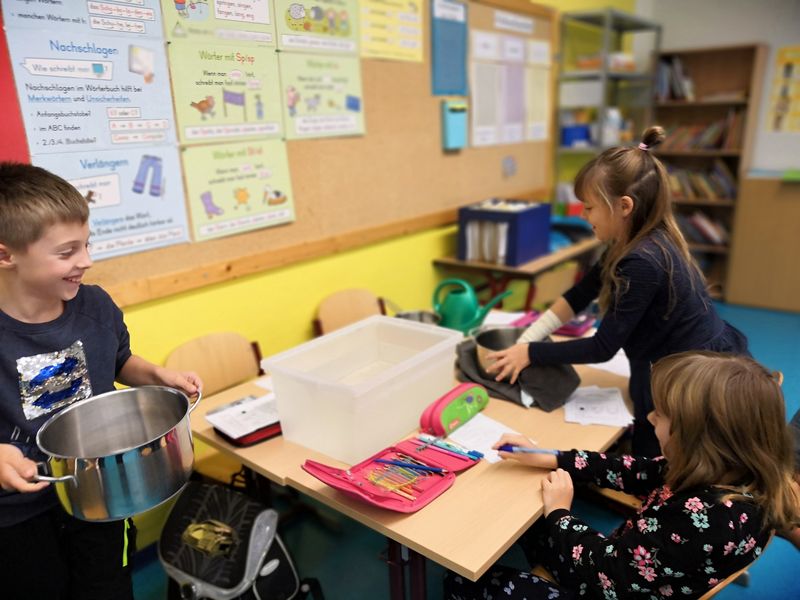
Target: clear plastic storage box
361, 388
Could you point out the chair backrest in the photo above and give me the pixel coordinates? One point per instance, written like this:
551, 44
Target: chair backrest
221, 359
344, 307
733, 576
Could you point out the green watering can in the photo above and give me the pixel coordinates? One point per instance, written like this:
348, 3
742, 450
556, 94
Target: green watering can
460, 308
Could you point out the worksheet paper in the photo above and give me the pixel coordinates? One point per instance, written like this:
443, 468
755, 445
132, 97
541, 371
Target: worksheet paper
618, 365
481, 433
592, 405
244, 415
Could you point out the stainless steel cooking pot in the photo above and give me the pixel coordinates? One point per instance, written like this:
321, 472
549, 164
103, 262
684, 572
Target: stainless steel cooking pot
121, 453
420, 316
492, 340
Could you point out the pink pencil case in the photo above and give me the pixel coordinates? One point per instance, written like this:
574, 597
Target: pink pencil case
456, 407
573, 328
372, 482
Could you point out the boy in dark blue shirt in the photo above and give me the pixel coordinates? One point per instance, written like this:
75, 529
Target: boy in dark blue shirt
60, 342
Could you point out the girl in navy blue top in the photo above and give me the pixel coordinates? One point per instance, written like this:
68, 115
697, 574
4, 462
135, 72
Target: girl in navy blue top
651, 293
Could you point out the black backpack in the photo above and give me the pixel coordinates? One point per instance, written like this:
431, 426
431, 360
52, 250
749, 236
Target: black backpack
220, 544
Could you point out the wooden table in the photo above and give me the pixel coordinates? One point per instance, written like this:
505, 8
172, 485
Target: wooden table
466, 529
499, 276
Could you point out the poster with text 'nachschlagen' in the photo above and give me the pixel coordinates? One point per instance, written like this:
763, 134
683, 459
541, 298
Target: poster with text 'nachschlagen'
80, 93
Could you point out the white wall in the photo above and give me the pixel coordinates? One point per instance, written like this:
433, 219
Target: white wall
695, 23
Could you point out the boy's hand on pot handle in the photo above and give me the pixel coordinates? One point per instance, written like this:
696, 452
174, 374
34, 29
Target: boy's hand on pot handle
557, 491
509, 362
16, 471
186, 381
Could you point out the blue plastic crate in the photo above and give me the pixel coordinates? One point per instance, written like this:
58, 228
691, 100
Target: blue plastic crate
528, 234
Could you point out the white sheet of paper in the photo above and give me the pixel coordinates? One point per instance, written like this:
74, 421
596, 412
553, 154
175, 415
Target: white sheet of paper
592, 405
618, 365
244, 415
481, 433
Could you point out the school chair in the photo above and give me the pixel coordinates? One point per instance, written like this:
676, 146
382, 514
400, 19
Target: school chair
222, 360
345, 307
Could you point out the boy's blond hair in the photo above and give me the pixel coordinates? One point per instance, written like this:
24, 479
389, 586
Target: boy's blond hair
727, 429
32, 199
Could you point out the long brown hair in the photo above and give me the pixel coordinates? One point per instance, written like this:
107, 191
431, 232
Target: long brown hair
635, 172
728, 429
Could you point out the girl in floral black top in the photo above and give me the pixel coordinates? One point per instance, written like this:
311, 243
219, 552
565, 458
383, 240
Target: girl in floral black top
709, 504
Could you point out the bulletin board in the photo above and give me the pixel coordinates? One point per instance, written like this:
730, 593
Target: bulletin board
354, 191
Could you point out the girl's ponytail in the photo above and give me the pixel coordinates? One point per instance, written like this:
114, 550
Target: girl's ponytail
652, 137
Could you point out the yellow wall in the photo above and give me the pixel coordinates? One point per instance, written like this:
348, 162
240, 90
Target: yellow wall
276, 308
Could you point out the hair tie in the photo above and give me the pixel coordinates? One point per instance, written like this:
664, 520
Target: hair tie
643, 146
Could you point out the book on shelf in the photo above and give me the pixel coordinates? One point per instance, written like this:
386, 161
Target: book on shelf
722, 134
699, 228
672, 81
716, 183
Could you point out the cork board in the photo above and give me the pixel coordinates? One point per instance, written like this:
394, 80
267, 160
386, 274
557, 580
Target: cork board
350, 192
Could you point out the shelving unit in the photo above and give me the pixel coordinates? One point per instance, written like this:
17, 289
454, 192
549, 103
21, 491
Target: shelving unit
607, 31
695, 89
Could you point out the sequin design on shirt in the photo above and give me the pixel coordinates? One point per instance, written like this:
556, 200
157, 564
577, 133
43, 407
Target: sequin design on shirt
54, 379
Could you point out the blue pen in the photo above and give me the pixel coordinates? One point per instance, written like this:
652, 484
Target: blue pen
524, 450
409, 465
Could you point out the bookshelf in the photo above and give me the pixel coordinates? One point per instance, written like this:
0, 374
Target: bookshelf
601, 88
705, 100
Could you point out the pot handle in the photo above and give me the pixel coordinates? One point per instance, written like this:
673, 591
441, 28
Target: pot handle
62, 479
193, 405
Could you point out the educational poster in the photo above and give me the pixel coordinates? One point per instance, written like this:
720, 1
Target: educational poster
317, 25
537, 99
237, 187
511, 79
783, 115
322, 95
512, 104
225, 92
135, 196
485, 100
392, 29
219, 21
138, 18
79, 95
448, 48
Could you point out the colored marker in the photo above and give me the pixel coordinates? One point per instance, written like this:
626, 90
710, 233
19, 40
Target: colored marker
524, 450
408, 465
